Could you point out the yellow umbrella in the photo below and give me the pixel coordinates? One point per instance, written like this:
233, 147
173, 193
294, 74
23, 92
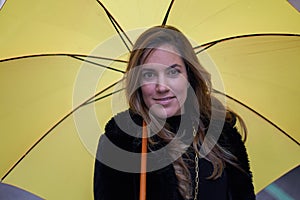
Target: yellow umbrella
43, 48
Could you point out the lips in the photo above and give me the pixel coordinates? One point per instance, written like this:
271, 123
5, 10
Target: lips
164, 100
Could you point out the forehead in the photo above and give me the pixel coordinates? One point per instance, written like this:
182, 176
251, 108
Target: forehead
165, 55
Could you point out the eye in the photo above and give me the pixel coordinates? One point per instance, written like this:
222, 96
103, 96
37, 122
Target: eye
173, 72
148, 75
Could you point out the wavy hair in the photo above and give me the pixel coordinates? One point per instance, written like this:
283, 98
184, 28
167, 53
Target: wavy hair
200, 82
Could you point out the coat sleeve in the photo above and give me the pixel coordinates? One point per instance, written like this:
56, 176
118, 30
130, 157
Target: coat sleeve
112, 183
240, 180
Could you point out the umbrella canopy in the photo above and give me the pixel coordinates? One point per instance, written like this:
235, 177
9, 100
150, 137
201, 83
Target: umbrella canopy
46, 74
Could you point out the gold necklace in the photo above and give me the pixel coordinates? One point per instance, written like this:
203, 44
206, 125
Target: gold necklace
196, 170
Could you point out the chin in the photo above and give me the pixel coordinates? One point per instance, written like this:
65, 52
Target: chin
165, 113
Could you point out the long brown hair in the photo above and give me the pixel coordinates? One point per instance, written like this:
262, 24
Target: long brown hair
200, 82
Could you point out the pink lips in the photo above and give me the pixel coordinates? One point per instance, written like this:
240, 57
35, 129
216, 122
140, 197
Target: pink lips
164, 101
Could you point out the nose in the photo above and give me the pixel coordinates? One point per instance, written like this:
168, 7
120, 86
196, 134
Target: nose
161, 85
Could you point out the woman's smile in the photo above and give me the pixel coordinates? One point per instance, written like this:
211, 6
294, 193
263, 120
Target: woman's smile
165, 100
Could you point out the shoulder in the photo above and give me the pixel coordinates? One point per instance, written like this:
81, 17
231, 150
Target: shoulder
231, 140
231, 137
123, 129
123, 122
240, 181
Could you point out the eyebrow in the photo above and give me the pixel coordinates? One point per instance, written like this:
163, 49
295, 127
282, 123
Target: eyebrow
174, 65
169, 67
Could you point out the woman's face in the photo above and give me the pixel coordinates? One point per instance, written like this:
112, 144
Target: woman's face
164, 82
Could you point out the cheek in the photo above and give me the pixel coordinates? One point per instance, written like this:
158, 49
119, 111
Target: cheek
147, 91
181, 92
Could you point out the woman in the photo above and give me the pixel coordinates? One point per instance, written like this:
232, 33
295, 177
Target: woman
194, 149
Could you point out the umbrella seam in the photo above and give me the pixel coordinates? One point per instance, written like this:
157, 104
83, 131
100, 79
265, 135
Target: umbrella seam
258, 114
116, 26
55, 125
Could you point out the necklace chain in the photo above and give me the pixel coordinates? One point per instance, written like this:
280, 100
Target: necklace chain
196, 170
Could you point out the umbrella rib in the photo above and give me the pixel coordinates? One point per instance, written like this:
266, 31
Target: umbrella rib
98, 64
75, 56
205, 47
61, 54
55, 125
105, 96
98, 57
116, 26
245, 36
258, 114
123, 40
167, 13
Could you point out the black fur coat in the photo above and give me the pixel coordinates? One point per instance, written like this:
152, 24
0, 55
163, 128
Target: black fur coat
114, 183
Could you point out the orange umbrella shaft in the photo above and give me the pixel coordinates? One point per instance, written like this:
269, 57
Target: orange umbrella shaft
143, 163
